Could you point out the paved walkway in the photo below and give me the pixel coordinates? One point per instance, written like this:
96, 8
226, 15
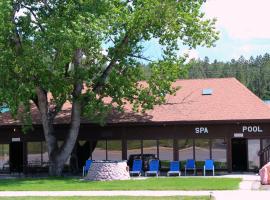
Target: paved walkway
218, 195
249, 190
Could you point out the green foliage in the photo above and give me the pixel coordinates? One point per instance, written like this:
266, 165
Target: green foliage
38, 41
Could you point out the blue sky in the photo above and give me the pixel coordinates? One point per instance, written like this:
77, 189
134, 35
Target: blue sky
244, 30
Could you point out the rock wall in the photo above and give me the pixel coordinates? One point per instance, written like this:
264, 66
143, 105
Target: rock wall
105, 171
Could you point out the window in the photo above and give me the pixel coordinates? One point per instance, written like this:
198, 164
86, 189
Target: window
133, 147
166, 150
165, 153
185, 149
253, 158
150, 147
202, 151
219, 153
114, 150
207, 91
34, 153
4, 156
99, 152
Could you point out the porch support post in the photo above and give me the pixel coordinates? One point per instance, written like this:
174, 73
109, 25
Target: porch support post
229, 154
175, 149
124, 144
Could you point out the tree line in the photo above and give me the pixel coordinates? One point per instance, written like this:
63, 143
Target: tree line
254, 72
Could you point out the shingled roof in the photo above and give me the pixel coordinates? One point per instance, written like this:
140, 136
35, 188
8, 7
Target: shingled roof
230, 101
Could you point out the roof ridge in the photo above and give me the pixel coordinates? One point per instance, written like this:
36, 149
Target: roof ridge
205, 79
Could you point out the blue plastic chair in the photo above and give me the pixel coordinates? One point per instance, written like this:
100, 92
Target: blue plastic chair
87, 166
153, 167
174, 168
136, 167
209, 166
190, 165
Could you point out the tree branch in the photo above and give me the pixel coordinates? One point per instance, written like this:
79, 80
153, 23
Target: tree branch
35, 16
140, 57
100, 83
56, 109
17, 38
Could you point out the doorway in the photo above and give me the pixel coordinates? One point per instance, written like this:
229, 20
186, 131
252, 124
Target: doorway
16, 157
239, 154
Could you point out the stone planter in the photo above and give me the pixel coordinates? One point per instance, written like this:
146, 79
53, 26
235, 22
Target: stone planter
108, 170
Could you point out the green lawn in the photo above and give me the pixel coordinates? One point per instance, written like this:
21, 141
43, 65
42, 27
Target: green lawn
172, 183
108, 198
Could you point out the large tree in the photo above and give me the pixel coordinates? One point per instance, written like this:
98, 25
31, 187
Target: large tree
82, 51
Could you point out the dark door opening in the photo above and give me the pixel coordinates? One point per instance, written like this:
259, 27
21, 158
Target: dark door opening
239, 154
16, 157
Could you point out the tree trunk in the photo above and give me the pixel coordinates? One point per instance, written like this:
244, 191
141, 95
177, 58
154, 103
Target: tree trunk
59, 155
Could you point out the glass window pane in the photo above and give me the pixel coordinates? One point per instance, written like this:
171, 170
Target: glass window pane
165, 153
185, 149
150, 147
133, 147
265, 142
166, 149
34, 153
100, 151
4, 157
253, 158
219, 153
202, 151
114, 148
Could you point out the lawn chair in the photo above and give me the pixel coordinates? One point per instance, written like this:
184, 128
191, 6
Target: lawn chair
136, 167
190, 165
209, 166
174, 168
86, 167
153, 167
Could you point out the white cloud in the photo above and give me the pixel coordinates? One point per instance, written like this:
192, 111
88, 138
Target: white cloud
190, 54
248, 50
242, 19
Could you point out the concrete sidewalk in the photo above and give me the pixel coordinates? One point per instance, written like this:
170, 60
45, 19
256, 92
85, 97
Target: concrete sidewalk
218, 195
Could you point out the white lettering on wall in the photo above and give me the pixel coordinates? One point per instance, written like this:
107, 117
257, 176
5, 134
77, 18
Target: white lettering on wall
201, 130
252, 129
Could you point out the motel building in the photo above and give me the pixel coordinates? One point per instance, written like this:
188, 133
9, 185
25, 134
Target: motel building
217, 119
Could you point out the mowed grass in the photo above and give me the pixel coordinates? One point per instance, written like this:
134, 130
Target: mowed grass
109, 198
66, 184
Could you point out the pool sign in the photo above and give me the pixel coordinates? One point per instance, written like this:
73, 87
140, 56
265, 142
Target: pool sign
201, 130
252, 129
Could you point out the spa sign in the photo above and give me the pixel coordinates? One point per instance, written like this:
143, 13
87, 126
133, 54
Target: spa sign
201, 130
